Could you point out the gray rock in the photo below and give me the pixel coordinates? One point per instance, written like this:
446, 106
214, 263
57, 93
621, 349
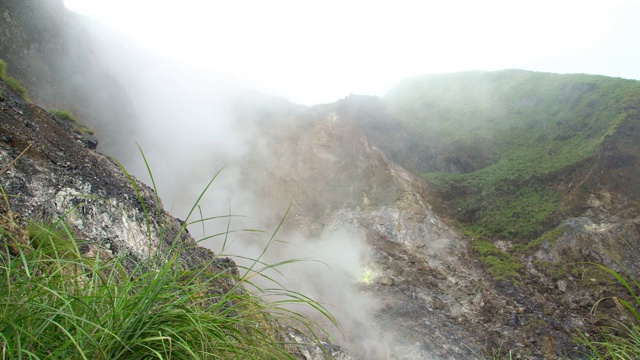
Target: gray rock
307, 349
562, 285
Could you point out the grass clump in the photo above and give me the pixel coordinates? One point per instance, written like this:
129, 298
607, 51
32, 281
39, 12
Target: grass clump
620, 339
12, 82
57, 303
83, 130
77, 127
61, 298
548, 237
500, 265
65, 115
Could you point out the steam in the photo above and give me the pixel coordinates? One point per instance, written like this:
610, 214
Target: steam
185, 125
183, 118
330, 270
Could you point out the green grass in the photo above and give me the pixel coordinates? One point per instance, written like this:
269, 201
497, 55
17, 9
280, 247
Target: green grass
500, 265
12, 82
57, 301
63, 114
620, 338
83, 130
550, 236
77, 127
529, 128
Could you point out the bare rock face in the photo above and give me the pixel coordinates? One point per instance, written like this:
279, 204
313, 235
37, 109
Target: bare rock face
434, 299
610, 244
60, 177
310, 350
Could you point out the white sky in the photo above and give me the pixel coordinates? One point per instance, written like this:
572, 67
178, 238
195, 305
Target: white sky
320, 51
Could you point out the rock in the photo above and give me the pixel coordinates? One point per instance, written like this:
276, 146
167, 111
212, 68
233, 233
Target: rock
91, 141
307, 349
59, 178
385, 280
562, 285
438, 304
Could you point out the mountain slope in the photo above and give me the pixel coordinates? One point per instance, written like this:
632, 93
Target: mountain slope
428, 296
513, 142
536, 168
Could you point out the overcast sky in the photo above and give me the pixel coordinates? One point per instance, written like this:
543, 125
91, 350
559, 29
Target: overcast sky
320, 51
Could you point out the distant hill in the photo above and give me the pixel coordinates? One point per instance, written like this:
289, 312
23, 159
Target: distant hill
518, 150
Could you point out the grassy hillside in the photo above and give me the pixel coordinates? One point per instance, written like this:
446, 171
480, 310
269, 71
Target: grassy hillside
530, 126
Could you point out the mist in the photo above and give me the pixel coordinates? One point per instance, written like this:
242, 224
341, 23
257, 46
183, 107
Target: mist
186, 79
317, 53
333, 270
185, 126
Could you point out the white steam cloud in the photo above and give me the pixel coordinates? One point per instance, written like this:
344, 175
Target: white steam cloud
185, 123
186, 129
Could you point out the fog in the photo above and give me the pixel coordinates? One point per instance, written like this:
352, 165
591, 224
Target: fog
185, 78
319, 52
185, 126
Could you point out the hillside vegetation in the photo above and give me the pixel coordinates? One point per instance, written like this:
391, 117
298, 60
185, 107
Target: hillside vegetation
508, 136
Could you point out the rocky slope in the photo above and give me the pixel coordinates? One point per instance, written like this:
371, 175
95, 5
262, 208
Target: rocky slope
554, 184
50, 51
59, 177
434, 299
49, 173
441, 294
